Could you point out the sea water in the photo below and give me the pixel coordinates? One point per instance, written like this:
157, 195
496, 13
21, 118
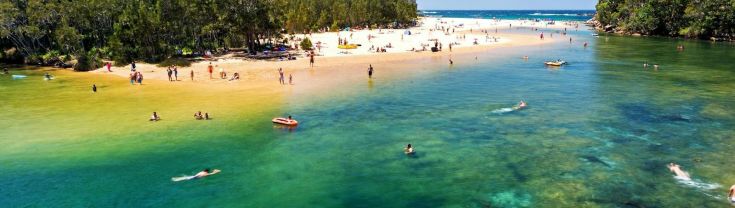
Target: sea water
598, 132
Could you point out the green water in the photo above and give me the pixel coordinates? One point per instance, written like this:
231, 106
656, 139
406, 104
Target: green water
598, 133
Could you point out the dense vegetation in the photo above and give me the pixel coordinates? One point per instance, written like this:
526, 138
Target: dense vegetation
689, 18
153, 30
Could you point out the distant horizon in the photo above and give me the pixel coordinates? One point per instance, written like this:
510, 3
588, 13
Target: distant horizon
505, 5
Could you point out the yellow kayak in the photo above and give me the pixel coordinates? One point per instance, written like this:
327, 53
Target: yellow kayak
348, 46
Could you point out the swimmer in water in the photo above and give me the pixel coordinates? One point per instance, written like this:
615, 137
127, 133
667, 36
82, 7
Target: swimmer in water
450, 61
408, 149
205, 173
655, 66
676, 169
155, 117
645, 64
731, 194
520, 105
525, 57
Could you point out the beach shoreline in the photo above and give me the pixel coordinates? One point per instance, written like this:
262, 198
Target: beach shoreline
482, 31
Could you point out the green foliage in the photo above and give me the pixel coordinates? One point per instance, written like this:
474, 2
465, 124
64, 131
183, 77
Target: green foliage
87, 61
690, 18
154, 30
306, 44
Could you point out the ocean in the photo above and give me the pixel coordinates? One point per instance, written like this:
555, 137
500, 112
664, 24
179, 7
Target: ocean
565, 15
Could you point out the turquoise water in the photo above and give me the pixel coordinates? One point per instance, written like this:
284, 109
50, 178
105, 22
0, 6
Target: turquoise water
598, 133
561, 15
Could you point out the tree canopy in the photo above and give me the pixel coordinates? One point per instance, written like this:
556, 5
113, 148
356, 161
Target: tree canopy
153, 30
689, 18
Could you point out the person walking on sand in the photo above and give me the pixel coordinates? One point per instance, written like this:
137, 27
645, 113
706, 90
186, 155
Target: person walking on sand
94, 88
109, 65
132, 66
191, 74
370, 72
210, 69
311, 59
290, 79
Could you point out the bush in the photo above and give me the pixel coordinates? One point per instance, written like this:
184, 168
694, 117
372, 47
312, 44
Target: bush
11, 56
87, 61
306, 44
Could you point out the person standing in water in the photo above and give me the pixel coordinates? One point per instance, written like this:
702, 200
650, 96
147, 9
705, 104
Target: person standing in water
408, 149
155, 117
176, 73
451, 62
139, 77
210, 69
281, 78
370, 72
94, 88
311, 59
169, 72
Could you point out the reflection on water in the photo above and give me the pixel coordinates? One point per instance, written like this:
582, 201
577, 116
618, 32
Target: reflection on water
599, 133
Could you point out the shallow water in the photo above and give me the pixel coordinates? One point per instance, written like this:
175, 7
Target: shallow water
597, 133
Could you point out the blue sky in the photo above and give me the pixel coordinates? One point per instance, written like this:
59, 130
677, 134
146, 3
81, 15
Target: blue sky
506, 4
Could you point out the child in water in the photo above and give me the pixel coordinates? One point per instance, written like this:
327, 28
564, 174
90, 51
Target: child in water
408, 150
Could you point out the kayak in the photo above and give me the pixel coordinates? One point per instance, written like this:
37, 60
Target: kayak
555, 63
285, 121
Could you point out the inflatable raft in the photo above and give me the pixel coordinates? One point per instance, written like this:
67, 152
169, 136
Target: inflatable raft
285, 121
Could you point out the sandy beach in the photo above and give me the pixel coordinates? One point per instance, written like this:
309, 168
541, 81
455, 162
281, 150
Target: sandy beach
462, 33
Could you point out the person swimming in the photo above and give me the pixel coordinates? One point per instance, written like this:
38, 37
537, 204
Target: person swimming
520, 105
206, 116
205, 173
198, 115
155, 117
731, 194
676, 169
408, 149
200, 174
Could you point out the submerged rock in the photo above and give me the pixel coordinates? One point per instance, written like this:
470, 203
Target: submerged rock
510, 199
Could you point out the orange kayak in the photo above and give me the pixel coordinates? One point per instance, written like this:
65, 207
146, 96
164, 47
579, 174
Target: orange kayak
285, 121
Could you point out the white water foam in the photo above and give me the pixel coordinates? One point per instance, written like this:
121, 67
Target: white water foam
502, 110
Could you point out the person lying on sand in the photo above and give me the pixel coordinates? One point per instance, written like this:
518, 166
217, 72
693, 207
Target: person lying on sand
676, 169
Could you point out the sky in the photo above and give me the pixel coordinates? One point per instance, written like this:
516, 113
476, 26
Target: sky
506, 4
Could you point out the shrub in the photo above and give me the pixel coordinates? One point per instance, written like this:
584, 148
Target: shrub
87, 61
306, 44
